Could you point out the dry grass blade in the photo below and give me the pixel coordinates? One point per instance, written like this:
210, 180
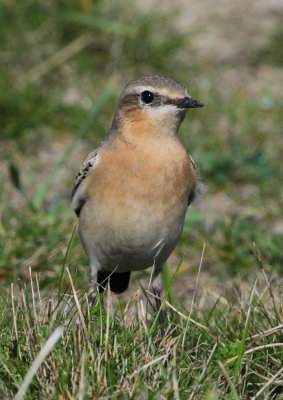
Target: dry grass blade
203, 374
193, 321
266, 379
48, 346
81, 391
156, 360
175, 387
265, 346
14, 313
194, 296
242, 344
270, 381
266, 333
80, 314
32, 293
230, 383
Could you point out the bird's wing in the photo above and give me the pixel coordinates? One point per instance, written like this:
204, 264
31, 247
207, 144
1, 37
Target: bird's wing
194, 192
78, 198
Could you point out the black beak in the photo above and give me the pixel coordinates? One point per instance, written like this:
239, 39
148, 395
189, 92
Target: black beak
187, 102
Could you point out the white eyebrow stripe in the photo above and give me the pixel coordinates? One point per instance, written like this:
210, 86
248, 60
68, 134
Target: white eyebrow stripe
163, 91
143, 88
140, 89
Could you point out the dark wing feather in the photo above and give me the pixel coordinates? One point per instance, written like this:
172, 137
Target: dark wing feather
193, 193
85, 169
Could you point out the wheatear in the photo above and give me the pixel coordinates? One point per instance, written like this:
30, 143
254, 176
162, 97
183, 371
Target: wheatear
132, 192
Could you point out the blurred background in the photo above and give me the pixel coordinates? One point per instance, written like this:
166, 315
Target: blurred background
63, 66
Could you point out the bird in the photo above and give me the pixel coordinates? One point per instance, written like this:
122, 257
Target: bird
132, 192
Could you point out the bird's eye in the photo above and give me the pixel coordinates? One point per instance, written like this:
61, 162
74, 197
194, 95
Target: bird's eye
147, 97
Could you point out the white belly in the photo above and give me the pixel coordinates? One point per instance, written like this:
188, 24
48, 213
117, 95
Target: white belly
132, 246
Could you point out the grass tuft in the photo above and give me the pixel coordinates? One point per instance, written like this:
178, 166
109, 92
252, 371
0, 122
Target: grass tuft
113, 350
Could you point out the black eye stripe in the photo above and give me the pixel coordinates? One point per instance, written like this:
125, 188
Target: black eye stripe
152, 99
156, 99
171, 101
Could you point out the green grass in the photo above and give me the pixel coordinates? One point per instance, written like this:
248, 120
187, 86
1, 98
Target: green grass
118, 353
63, 68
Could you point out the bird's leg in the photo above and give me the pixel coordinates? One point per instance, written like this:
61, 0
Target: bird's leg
92, 286
156, 287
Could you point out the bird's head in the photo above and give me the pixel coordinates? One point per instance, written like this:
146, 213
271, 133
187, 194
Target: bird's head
156, 101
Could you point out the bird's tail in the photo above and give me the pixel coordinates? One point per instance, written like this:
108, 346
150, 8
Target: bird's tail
119, 282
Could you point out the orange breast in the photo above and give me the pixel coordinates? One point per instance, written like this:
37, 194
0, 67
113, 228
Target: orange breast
150, 179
